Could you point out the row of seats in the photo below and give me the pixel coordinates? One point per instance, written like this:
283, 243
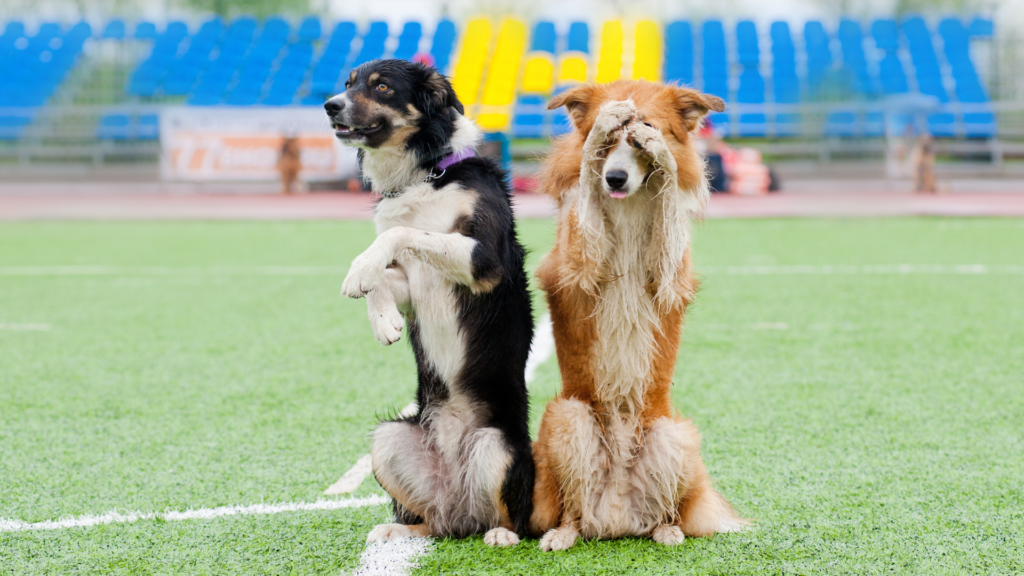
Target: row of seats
245, 63
32, 67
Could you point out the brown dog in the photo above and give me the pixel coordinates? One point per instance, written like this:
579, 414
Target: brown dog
613, 458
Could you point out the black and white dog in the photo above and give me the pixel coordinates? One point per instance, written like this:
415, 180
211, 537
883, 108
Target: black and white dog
446, 258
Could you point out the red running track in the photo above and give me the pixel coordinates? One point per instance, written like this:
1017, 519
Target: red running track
353, 206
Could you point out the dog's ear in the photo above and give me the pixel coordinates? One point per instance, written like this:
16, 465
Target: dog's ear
577, 105
692, 106
438, 94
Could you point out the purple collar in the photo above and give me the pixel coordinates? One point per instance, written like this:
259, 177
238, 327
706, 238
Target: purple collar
451, 159
442, 166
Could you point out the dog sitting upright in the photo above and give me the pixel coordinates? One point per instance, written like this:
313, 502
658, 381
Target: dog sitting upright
613, 458
446, 258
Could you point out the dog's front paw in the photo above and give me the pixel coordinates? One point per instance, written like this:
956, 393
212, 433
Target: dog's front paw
387, 324
618, 112
558, 539
364, 275
501, 537
668, 534
386, 532
650, 141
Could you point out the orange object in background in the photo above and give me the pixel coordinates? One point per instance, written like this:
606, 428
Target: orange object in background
747, 173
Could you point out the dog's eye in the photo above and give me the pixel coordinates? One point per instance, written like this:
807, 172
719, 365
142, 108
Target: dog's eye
347, 84
382, 87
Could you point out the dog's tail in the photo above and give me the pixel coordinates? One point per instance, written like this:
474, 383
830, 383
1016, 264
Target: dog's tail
704, 511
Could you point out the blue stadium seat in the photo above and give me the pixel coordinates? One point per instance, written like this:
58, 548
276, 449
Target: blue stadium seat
148, 127
890, 69
979, 121
442, 45
409, 41
751, 87
114, 127
785, 84
981, 28
145, 31
12, 126
327, 72
114, 30
819, 55
544, 37
842, 124
14, 29
309, 29
560, 122
579, 38
851, 40
679, 53
290, 75
373, 43
716, 74
528, 121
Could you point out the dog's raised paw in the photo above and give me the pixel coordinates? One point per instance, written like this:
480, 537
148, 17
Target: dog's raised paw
668, 534
386, 532
501, 537
387, 325
558, 539
364, 275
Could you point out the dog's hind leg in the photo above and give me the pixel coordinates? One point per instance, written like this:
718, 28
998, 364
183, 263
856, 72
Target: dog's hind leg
405, 469
572, 454
702, 510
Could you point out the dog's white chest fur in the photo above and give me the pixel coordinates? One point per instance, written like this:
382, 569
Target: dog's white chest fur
633, 482
432, 301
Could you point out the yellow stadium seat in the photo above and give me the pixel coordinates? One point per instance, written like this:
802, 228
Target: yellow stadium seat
472, 58
647, 58
500, 88
573, 69
539, 74
609, 64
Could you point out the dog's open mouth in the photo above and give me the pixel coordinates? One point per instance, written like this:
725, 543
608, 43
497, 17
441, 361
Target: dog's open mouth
343, 131
618, 194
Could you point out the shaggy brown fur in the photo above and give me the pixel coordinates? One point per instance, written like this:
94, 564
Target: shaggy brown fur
613, 457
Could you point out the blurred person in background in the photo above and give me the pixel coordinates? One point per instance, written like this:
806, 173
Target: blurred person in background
289, 163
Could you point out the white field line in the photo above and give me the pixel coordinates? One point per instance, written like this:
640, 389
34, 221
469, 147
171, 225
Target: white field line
395, 558
541, 348
25, 327
392, 558
172, 270
115, 517
853, 269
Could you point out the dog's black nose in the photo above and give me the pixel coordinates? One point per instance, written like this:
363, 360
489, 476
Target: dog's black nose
616, 179
333, 107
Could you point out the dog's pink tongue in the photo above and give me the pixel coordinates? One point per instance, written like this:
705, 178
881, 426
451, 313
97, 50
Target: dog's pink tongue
617, 194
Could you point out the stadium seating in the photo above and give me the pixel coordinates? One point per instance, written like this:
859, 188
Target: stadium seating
785, 83
751, 88
529, 116
469, 68
609, 60
500, 89
679, 53
979, 122
32, 67
868, 76
715, 69
648, 51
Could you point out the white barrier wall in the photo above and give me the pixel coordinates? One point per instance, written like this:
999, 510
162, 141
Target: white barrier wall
234, 143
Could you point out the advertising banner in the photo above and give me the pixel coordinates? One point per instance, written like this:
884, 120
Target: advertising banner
233, 143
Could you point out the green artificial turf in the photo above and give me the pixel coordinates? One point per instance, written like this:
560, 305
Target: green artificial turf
868, 423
